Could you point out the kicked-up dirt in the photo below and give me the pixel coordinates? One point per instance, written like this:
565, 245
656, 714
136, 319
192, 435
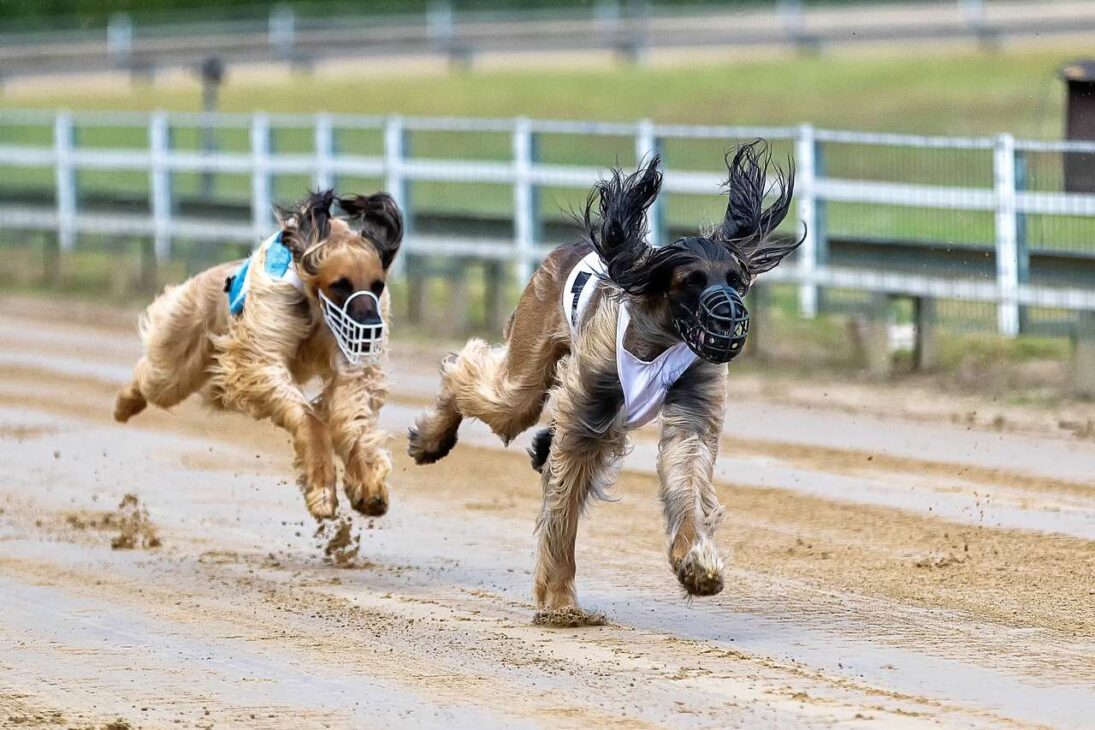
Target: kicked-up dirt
883, 572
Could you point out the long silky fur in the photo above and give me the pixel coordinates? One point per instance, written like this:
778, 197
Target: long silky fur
255, 363
748, 225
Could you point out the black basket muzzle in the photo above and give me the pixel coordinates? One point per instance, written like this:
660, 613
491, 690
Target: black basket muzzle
717, 329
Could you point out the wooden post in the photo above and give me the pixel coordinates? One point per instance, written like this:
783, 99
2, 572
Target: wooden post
457, 316
51, 259
1083, 355
1007, 239
148, 268
495, 297
759, 304
646, 146
806, 195
262, 184
926, 352
526, 208
871, 331
417, 284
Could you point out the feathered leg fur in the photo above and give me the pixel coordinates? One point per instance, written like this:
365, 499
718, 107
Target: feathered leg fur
691, 428
590, 439
352, 402
252, 374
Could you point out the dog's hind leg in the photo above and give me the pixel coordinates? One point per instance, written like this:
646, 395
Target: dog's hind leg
129, 402
352, 402
175, 331
485, 383
691, 429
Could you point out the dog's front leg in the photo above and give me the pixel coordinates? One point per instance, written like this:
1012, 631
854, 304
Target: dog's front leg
589, 441
264, 388
691, 428
353, 400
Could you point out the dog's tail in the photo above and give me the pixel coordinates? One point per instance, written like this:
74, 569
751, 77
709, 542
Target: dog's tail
748, 225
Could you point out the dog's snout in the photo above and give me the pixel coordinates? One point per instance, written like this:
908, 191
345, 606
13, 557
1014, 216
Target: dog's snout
363, 310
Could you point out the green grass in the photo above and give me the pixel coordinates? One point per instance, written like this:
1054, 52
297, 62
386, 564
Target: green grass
948, 93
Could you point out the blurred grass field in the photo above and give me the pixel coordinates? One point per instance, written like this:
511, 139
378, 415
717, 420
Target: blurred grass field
953, 93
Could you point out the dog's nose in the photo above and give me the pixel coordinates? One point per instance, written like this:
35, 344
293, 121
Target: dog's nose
363, 310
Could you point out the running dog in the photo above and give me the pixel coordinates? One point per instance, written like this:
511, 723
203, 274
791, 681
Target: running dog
311, 301
614, 331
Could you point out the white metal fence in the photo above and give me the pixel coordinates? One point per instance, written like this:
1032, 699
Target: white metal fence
982, 190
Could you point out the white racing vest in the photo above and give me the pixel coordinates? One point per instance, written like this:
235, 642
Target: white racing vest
644, 383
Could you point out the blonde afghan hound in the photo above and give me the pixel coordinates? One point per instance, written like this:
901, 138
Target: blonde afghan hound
292, 326
613, 332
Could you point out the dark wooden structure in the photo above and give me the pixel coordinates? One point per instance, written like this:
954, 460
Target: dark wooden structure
1079, 167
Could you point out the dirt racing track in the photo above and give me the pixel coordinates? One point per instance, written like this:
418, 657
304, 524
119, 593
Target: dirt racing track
888, 569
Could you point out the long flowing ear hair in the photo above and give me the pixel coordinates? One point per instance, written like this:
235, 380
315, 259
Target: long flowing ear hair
380, 222
618, 229
748, 225
306, 223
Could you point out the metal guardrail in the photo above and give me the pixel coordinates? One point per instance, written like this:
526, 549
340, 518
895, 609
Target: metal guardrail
630, 29
1002, 203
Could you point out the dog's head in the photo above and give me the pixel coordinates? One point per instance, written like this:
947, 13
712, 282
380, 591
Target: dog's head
692, 288
339, 256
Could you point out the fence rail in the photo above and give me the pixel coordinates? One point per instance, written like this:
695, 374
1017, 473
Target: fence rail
1002, 198
625, 27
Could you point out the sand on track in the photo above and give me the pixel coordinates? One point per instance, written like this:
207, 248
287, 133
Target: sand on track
836, 612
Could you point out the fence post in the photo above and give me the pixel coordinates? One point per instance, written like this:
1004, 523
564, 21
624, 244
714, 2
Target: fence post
526, 220
395, 151
1007, 239
119, 39
325, 152
806, 192
261, 196
282, 31
1022, 251
159, 147
63, 143
646, 146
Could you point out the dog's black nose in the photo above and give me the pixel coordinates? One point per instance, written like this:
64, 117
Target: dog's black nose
363, 310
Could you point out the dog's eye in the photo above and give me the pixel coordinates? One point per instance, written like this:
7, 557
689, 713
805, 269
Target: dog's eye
343, 286
735, 282
695, 280
377, 288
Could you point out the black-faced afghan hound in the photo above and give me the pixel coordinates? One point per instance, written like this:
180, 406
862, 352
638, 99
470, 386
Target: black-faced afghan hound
612, 331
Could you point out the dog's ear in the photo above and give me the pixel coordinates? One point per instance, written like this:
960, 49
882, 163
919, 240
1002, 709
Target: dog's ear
380, 220
306, 223
748, 225
618, 230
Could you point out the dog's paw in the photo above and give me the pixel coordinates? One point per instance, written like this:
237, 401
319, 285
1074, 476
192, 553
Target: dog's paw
427, 451
700, 572
128, 405
568, 617
322, 502
371, 503
541, 448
